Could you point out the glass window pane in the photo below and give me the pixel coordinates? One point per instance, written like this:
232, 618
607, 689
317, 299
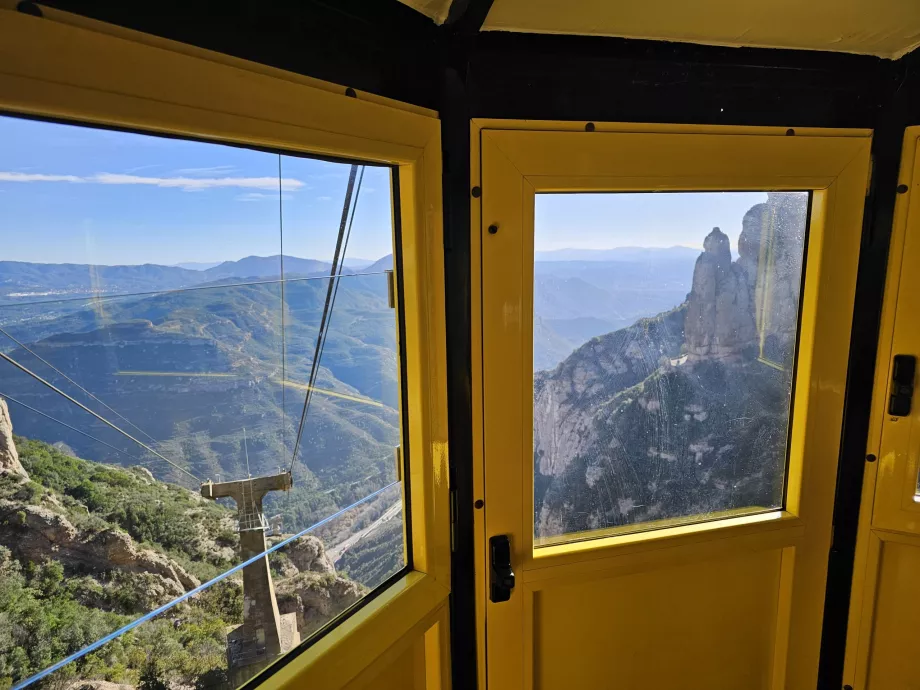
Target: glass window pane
664, 357
182, 299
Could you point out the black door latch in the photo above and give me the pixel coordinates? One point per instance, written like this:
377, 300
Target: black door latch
502, 576
902, 385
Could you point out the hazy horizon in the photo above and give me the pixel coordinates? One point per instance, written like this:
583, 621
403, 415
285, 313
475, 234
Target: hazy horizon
204, 264
73, 194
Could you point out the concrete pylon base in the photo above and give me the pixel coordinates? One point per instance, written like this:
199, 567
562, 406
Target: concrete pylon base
246, 656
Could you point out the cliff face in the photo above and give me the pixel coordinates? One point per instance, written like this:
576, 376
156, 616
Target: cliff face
611, 362
720, 319
753, 301
686, 412
9, 456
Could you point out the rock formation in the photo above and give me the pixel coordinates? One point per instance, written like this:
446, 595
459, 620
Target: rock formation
611, 362
720, 318
309, 555
37, 534
772, 240
9, 456
317, 598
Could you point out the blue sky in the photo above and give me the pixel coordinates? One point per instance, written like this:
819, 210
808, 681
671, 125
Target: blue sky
82, 195
592, 221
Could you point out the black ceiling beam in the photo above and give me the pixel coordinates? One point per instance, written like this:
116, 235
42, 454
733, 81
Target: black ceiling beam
468, 16
540, 76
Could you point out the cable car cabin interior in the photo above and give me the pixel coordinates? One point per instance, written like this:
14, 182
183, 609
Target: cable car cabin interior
432, 344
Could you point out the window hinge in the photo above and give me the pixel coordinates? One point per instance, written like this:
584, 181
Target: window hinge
399, 463
453, 521
391, 289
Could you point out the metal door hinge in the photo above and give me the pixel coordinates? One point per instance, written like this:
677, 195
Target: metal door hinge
391, 289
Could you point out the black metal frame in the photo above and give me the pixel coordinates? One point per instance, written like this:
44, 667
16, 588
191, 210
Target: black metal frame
385, 48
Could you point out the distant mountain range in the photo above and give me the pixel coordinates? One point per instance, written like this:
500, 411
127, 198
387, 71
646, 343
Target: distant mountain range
578, 299
617, 254
22, 282
205, 265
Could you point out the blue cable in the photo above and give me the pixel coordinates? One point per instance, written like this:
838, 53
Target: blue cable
200, 588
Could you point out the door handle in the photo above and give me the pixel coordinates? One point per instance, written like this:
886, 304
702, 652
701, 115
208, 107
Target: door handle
902, 385
502, 576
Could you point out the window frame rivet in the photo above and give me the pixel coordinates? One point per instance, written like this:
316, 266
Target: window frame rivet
479, 504
493, 229
476, 192
871, 458
902, 189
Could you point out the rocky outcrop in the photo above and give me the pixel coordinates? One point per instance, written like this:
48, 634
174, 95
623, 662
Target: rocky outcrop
9, 456
308, 554
316, 598
720, 316
753, 301
611, 362
772, 239
35, 533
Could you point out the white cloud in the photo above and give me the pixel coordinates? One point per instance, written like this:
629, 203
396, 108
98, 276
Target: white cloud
36, 177
324, 198
194, 183
187, 184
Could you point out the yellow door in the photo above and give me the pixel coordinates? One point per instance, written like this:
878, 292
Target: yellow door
664, 316
885, 601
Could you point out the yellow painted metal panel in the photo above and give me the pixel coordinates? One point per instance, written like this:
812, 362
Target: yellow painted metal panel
707, 625
516, 164
417, 662
896, 501
887, 28
894, 663
479, 491
95, 77
689, 156
502, 433
53, 14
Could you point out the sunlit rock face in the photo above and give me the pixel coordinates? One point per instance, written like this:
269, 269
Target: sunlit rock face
720, 318
9, 457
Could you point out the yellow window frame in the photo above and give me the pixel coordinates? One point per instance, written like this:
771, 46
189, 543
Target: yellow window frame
73, 69
532, 156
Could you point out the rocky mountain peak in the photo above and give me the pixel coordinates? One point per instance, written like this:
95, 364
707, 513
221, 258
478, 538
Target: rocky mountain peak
717, 243
9, 456
720, 314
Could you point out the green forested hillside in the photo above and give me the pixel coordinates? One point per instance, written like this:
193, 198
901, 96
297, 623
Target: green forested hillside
54, 601
86, 548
